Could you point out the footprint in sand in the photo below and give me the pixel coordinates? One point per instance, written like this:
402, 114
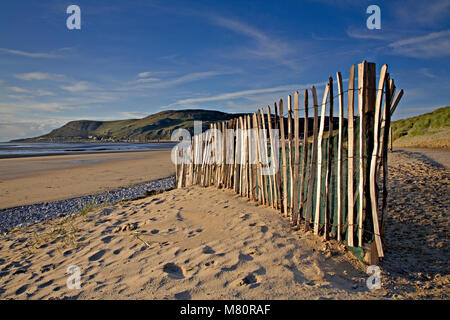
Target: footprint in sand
209, 263
242, 258
22, 289
185, 295
97, 256
208, 250
100, 222
164, 244
45, 284
154, 231
245, 257
107, 211
107, 239
47, 267
173, 271
116, 252
67, 253
248, 280
193, 233
245, 216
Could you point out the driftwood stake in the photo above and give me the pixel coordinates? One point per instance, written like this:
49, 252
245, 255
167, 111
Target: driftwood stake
351, 153
319, 161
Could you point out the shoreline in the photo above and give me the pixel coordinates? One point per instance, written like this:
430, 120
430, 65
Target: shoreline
51, 154
68, 153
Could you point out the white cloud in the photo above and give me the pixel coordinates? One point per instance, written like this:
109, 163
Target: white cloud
190, 77
77, 87
33, 106
144, 74
40, 92
427, 73
27, 128
17, 97
419, 12
17, 89
145, 80
131, 115
246, 93
367, 34
435, 44
28, 54
38, 76
266, 47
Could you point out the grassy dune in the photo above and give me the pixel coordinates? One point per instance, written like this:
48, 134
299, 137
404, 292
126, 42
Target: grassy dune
430, 130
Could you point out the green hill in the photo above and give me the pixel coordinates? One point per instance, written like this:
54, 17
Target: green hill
156, 127
430, 130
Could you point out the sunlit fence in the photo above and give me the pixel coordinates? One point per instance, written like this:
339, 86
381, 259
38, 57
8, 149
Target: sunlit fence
326, 173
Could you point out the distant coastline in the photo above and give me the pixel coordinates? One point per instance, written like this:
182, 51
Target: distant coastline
35, 149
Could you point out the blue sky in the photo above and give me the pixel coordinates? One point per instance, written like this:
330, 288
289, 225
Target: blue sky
137, 57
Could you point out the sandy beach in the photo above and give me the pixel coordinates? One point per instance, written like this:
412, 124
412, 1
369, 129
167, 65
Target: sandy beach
204, 243
439, 157
25, 181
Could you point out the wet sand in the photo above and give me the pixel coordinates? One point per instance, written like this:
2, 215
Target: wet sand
25, 181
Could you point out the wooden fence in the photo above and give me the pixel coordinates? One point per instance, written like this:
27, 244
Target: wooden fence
325, 174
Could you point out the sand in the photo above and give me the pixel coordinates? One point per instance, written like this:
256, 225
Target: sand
33, 180
218, 246
418, 226
204, 243
439, 157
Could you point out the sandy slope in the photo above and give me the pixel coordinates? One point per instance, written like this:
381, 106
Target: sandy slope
418, 226
50, 178
218, 246
201, 243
